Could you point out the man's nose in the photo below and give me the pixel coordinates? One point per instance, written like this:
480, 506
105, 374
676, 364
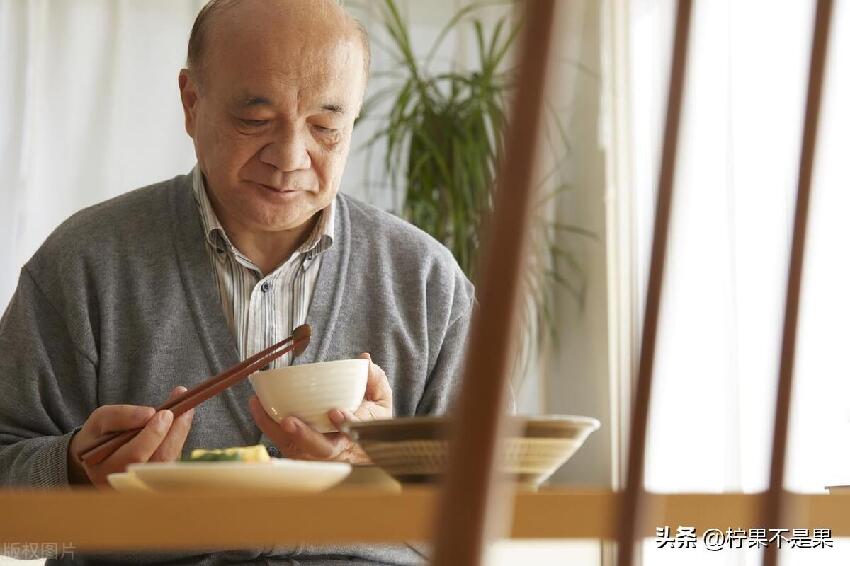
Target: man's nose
287, 152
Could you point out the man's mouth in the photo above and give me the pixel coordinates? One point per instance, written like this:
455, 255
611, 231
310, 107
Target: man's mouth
281, 190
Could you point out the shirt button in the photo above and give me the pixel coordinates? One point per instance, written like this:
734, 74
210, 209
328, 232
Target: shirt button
264, 287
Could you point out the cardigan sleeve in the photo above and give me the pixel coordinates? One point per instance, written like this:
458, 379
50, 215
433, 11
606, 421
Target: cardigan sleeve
43, 385
444, 379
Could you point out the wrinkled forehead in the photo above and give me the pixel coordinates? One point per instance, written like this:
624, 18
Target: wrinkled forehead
270, 59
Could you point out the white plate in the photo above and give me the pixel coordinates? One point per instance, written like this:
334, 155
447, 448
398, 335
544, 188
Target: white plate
127, 483
281, 475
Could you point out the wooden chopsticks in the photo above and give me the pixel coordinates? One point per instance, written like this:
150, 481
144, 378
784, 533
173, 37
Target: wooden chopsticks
297, 342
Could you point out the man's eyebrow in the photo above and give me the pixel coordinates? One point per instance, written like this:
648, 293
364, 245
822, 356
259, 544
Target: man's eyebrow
249, 101
333, 108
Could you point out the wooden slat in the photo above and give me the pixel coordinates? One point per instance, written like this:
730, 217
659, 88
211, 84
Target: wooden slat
471, 508
106, 521
551, 514
633, 512
773, 504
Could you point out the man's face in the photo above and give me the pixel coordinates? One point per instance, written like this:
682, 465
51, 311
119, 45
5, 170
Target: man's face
272, 116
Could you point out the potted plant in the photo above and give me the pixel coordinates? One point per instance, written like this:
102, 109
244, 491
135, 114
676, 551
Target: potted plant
443, 136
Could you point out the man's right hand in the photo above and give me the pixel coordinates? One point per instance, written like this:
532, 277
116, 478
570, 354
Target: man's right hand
161, 439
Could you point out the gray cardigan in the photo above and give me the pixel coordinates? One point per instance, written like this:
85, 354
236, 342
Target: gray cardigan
119, 305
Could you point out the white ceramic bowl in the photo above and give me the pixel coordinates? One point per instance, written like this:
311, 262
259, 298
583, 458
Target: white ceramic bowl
416, 450
309, 391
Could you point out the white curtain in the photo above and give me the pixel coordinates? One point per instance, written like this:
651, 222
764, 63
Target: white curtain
719, 336
89, 108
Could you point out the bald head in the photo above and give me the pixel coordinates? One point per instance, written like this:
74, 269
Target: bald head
308, 16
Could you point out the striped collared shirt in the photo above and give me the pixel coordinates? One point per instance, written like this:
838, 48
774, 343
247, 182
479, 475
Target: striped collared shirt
261, 310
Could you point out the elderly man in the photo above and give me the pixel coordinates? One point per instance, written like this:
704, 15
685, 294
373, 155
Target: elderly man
132, 299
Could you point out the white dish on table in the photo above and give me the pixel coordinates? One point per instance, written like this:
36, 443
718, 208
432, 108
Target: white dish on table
279, 475
127, 483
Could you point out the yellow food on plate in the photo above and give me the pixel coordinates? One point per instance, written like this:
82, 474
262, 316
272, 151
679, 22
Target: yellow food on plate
248, 454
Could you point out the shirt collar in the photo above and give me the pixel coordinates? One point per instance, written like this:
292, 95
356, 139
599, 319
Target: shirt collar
320, 239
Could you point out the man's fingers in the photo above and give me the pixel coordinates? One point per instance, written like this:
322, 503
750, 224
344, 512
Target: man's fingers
176, 392
338, 417
377, 385
272, 429
117, 418
161, 437
377, 402
142, 447
172, 445
298, 440
293, 436
308, 440
368, 411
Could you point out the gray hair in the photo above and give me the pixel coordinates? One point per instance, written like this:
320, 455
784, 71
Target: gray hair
197, 39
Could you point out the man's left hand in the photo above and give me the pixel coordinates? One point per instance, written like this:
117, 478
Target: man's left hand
298, 440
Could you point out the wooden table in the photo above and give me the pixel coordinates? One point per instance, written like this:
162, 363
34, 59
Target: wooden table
110, 521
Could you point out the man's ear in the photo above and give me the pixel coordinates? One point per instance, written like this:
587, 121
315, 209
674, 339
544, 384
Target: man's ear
189, 99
